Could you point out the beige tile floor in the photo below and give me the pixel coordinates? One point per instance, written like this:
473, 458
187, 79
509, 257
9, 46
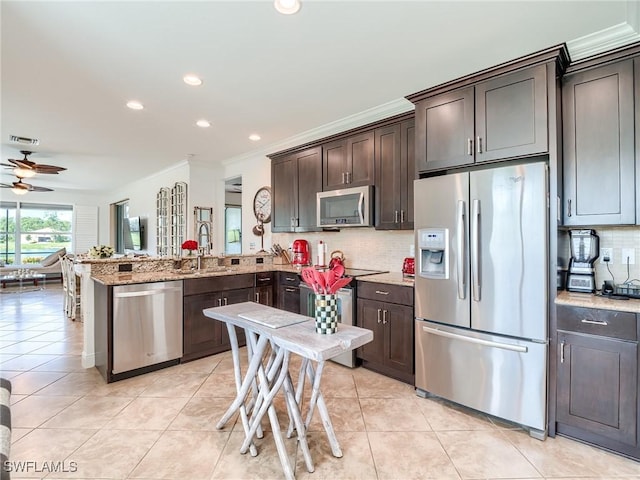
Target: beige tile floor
161, 425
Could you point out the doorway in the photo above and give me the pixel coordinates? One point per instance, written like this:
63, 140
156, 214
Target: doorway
233, 216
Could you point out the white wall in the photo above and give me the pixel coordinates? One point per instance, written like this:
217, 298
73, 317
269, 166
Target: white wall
142, 201
256, 173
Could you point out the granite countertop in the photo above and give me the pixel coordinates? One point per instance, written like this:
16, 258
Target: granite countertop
394, 278
589, 300
128, 278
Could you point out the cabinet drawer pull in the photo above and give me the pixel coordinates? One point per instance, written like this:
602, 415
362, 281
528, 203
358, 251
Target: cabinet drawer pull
594, 322
379, 310
289, 289
380, 292
289, 279
267, 279
469, 146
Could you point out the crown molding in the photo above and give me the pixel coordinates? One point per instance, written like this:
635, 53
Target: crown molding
607, 39
386, 110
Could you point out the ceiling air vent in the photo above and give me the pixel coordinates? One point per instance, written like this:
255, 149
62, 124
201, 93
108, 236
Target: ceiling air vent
24, 140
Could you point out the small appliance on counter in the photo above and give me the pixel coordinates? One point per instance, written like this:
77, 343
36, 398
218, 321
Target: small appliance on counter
301, 253
409, 267
585, 248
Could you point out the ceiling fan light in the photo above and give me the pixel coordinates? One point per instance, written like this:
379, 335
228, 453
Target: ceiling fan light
23, 172
287, 7
19, 191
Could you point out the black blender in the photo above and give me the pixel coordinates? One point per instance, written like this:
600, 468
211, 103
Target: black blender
585, 248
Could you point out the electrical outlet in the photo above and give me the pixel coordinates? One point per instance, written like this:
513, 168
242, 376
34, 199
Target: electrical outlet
606, 253
628, 255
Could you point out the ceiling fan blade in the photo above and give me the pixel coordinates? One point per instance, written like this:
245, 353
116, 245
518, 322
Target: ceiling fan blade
4, 185
47, 168
33, 188
22, 163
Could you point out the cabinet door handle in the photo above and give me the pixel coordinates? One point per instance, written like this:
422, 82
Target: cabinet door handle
257, 297
379, 310
344, 175
219, 302
401, 216
384, 317
469, 146
562, 352
594, 322
396, 217
380, 292
479, 144
349, 177
293, 221
569, 208
225, 300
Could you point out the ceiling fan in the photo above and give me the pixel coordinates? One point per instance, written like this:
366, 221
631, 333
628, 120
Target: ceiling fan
21, 188
25, 168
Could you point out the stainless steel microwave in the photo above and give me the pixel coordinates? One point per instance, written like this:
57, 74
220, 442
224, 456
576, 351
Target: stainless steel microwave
348, 207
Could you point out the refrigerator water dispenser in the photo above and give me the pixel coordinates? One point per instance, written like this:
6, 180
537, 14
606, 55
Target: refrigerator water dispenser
434, 253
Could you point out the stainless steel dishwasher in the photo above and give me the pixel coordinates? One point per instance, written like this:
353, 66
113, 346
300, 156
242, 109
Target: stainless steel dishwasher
147, 324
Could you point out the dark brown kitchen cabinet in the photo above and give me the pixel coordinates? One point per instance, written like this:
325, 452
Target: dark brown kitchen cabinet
387, 310
349, 162
598, 145
264, 288
295, 180
500, 118
203, 336
395, 173
597, 378
288, 297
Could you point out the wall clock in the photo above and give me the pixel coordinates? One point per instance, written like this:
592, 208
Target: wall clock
262, 204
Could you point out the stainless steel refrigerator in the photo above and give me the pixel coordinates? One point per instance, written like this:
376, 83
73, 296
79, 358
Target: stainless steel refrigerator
481, 290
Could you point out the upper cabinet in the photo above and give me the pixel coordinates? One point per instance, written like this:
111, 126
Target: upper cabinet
295, 180
598, 145
395, 173
348, 162
500, 118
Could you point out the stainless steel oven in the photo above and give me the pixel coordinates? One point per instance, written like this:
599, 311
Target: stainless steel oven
346, 315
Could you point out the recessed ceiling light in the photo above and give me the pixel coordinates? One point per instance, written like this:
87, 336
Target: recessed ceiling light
193, 80
203, 123
134, 105
254, 136
287, 7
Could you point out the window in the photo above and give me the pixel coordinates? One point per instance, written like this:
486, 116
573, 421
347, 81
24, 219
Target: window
31, 231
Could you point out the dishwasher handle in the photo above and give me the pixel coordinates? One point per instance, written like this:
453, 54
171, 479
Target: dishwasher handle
146, 293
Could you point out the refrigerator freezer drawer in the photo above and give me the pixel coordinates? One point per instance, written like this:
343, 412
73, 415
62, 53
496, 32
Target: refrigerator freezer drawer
503, 377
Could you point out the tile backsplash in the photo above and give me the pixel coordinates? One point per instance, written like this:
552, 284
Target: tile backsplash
616, 238
362, 247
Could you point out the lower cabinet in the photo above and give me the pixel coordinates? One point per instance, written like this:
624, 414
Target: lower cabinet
203, 336
597, 378
264, 288
289, 292
387, 310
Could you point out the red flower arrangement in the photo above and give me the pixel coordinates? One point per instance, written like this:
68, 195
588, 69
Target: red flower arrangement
190, 245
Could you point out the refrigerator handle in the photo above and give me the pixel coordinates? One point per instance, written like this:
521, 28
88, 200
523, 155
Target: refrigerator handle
460, 249
478, 341
475, 250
